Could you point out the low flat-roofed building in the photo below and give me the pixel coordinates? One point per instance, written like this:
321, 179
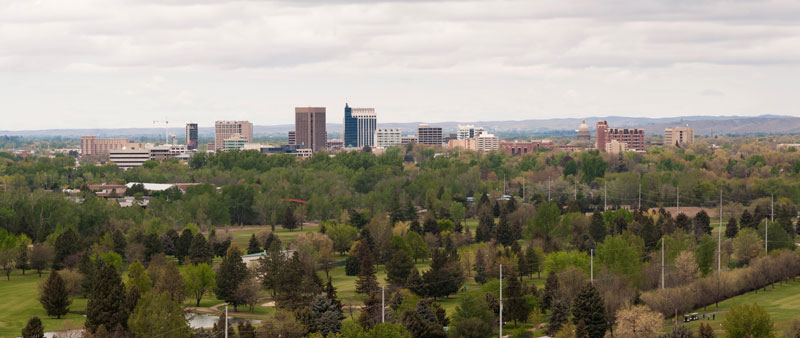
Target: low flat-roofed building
678, 135
388, 137
525, 147
616, 147
408, 139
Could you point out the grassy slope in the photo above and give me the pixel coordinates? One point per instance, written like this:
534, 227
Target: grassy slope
20, 302
782, 304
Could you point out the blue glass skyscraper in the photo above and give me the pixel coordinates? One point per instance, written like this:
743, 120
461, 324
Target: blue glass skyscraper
350, 128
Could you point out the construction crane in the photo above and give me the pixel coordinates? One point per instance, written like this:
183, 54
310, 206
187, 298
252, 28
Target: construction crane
166, 129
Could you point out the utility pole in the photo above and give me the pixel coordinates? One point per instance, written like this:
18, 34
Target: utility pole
576, 191
605, 195
226, 321
383, 306
772, 208
504, 185
640, 196
501, 300
662, 263
678, 201
548, 188
719, 235
766, 239
591, 278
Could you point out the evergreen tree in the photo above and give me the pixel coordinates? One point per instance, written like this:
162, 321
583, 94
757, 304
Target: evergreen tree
522, 263
366, 283
597, 227
232, 272
33, 329
681, 221
415, 227
518, 307
270, 239
170, 242
650, 234
731, 229
702, 224
430, 226
784, 218
550, 291
67, 244
183, 245
534, 261
480, 267
442, 279
107, 302
253, 246
558, 316
580, 330
759, 214
246, 330
358, 219
705, 331
327, 315
200, 250
371, 312
747, 220
399, 267
220, 247
289, 221
220, 327
485, 226
505, 234
120, 243
427, 320
590, 308
496, 209
55, 297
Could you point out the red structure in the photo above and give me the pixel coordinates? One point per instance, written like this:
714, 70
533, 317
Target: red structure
517, 148
633, 137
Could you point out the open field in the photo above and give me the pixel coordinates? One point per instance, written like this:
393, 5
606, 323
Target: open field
19, 299
782, 303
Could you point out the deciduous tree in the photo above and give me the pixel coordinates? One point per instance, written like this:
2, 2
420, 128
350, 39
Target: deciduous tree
199, 279
748, 320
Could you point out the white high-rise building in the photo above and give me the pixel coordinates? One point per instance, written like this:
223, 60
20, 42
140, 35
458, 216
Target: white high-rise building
366, 123
487, 142
388, 137
469, 131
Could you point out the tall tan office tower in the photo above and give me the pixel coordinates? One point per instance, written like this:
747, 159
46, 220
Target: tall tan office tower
309, 127
226, 129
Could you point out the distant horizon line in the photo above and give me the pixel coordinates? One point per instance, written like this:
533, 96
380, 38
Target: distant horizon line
665, 119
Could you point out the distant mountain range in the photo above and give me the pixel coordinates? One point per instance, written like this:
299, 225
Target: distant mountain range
703, 125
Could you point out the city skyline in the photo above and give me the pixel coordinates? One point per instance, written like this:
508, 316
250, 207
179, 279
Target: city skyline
124, 63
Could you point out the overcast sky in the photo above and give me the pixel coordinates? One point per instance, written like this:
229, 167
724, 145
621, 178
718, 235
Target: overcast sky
125, 63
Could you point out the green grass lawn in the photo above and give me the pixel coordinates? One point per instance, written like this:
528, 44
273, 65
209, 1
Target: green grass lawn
241, 235
782, 304
20, 303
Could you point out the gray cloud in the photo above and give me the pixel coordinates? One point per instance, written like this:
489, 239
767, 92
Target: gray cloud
268, 55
